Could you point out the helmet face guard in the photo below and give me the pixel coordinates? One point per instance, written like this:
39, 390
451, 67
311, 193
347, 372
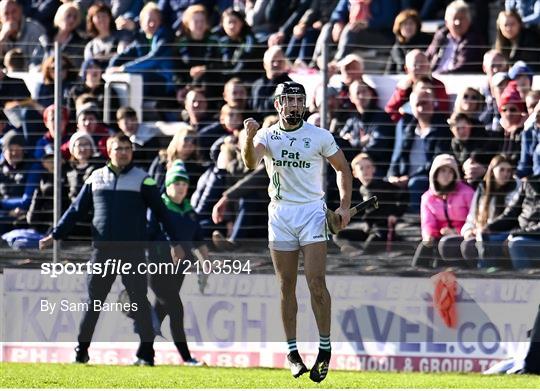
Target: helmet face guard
291, 100
292, 108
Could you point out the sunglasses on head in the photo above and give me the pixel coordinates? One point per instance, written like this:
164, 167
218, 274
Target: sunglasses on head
469, 96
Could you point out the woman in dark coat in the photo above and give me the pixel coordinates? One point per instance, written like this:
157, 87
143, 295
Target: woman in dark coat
515, 41
241, 53
199, 53
408, 37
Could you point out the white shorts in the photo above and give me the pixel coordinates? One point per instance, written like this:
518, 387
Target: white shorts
291, 226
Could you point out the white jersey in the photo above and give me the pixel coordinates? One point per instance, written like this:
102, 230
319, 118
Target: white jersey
294, 161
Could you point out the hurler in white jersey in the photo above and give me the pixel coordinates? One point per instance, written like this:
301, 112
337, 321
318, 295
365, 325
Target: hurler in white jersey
294, 160
294, 153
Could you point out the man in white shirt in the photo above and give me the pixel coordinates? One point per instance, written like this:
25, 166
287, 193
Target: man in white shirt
294, 152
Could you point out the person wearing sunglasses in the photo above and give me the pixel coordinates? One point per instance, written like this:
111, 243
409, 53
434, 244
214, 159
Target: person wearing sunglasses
470, 102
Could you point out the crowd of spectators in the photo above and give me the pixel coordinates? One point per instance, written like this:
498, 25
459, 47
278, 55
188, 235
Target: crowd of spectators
467, 165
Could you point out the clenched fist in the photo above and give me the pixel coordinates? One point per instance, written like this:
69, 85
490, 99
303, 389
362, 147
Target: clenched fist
251, 126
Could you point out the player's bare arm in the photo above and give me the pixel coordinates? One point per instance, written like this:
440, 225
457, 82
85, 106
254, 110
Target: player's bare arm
344, 184
251, 154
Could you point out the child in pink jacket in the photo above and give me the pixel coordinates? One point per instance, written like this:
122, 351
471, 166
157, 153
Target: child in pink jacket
443, 211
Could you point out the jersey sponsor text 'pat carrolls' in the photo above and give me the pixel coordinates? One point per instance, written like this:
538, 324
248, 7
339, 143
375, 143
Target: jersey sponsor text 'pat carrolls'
295, 161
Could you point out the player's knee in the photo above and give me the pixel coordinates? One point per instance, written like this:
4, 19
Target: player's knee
317, 287
288, 285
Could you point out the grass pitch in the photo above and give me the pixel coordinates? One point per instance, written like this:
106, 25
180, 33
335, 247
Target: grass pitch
16, 375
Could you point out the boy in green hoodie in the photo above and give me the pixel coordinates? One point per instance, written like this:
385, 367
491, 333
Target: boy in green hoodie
166, 286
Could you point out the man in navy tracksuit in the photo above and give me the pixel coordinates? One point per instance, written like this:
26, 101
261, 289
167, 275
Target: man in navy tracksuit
119, 195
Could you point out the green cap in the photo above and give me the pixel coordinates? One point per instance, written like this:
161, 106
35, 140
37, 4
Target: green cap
177, 172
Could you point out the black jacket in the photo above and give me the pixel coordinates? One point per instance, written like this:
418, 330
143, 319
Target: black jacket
525, 50
509, 145
378, 125
241, 58
436, 142
73, 48
474, 145
99, 94
76, 177
396, 59
523, 213
210, 187
13, 180
40, 213
392, 201
289, 12
208, 136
